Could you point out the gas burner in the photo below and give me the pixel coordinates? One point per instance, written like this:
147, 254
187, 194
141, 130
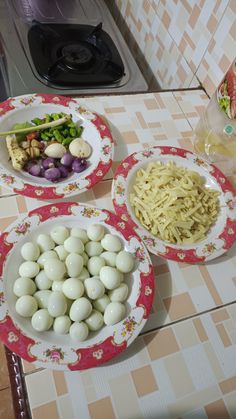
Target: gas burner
74, 55
77, 56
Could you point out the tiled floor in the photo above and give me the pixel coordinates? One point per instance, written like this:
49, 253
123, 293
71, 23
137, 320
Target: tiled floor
6, 408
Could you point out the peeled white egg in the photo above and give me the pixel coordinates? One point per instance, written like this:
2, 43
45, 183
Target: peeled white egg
114, 313
42, 298
24, 286
26, 306
45, 242
110, 258
95, 320
57, 304
61, 252
110, 277
84, 274
30, 251
80, 233
80, 148
42, 281
55, 150
49, 254
41, 320
74, 264
95, 232
57, 285
124, 261
59, 234
101, 303
119, 294
29, 269
54, 269
111, 243
94, 288
79, 331
61, 325
95, 264
80, 309
85, 258
73, 288
74, 245
93, 248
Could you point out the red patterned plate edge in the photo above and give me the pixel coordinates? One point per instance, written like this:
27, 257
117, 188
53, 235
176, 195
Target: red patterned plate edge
105, 350
228, 234
49, 192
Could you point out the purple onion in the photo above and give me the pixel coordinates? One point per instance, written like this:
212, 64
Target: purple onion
67, 159
52, 174
29, 164
63, 170
48, 163
79, 165
35, 170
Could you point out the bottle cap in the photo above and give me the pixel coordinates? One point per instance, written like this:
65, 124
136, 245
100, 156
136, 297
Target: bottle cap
228, 129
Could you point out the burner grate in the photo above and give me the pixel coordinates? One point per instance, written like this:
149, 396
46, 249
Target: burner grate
74, 55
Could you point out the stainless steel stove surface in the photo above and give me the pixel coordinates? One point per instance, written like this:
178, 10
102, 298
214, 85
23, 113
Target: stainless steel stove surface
67, 47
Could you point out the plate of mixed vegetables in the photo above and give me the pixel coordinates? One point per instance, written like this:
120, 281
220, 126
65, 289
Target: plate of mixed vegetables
51, 147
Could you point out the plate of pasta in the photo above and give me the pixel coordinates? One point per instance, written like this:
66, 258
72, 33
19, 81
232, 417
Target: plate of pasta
181, 206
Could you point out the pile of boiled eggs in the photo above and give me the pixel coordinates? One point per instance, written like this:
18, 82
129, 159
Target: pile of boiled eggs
71, 280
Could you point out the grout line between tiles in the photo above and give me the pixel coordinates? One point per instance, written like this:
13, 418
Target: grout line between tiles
213, 34
186, 117
193, 316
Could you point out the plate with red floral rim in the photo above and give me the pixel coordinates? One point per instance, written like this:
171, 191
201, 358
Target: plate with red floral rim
221, 235
95, 131
46, 349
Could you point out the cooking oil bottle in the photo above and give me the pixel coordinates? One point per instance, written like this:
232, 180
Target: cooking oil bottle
215, 134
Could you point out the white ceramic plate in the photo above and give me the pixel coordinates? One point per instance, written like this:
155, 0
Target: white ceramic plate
47, 349
95, 132
221, 235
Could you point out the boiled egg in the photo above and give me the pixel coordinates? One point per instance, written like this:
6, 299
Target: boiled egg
111, 243
110, 277
30, 251
95, 232
79, 331
114, 313
29, 269
73, 288
26, 306
41, 320
57, 304
24, 286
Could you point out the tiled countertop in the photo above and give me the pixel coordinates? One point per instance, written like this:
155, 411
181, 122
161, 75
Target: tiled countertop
183, 364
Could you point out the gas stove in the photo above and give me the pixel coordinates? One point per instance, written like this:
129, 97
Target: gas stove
70, 47
74, 55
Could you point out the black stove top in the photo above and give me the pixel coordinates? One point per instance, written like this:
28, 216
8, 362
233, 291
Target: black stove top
74, 55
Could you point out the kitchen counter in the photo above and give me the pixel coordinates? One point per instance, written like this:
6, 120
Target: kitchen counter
183, 363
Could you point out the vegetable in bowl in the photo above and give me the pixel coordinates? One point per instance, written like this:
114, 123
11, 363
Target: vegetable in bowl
49, 147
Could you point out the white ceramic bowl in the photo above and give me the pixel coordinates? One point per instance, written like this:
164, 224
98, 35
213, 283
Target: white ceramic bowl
47, 349
95, 132
221, 235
